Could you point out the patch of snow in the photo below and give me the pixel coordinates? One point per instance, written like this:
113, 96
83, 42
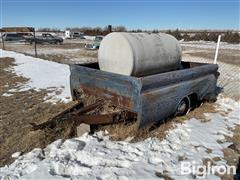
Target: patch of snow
7, 94
97, 157
42, 74
16, 154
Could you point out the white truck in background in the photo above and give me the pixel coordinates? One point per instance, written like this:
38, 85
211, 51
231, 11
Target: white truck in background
74, 35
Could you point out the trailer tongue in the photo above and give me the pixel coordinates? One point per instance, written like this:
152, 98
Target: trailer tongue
80, 114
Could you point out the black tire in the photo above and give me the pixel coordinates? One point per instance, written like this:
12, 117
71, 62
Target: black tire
183, 107
58, 43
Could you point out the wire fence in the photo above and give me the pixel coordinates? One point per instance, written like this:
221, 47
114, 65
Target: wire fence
228, 58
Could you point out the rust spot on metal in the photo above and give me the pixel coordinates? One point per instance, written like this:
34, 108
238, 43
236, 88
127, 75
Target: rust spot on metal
89, 108
96, 119
116, 99
101, 119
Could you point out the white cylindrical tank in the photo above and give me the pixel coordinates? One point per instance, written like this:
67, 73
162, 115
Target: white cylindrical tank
139, 54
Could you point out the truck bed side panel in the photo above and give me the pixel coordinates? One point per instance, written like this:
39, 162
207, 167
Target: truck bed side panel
161, 93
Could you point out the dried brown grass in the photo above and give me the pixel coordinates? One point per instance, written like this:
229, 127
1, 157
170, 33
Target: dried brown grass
124, 130
22, 108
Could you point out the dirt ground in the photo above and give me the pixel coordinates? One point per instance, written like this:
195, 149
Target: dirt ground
20, 109
229, 56
70, 52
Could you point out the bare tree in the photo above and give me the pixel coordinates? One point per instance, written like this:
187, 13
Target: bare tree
120, 29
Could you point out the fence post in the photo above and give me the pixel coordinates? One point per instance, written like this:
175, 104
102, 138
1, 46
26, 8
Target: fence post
216, 53
2, 41
35, 44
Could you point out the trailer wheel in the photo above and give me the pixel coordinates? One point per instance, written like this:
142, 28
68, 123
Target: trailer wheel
183, 107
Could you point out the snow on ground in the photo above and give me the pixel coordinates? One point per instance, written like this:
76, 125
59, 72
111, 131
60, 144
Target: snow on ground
97, 157
209, 45
42, 74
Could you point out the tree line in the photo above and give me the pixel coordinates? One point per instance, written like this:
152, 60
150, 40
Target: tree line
229, 36
88, 30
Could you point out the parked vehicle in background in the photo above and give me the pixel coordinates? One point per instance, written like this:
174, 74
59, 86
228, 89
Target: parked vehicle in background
26, 34
95, 44
78, 36
74, 35
45, 38
13, 37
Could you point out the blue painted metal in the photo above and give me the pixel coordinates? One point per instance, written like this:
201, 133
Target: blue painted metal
153, 98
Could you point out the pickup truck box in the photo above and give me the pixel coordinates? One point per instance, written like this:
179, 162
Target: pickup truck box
152, 98
45, 38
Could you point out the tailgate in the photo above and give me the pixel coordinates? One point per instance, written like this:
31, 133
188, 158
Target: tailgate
122, 91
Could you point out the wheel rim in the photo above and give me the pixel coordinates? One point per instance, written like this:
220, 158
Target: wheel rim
183, 107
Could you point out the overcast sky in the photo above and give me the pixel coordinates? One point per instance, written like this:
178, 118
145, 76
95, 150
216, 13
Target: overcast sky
152, 14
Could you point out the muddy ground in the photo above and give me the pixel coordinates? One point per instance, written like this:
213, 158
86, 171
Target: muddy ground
20, 109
